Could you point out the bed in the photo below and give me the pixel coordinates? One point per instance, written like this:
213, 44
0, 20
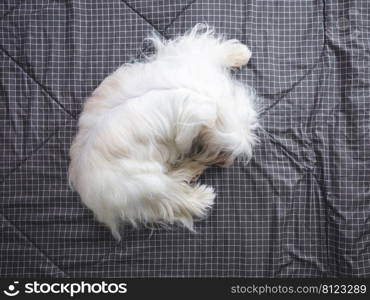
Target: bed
299, 208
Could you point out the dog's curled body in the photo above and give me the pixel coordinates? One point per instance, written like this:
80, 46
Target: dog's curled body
151, 128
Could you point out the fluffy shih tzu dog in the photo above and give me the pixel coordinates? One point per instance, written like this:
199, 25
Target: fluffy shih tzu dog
151, 128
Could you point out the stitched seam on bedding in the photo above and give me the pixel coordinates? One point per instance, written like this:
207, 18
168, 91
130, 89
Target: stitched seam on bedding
27, 239
186, 7
55, 100
308, 73
39, 146
296, 84
163, 33
140, 15
30, 155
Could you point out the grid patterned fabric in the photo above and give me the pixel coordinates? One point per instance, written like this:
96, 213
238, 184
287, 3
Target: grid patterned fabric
301, 207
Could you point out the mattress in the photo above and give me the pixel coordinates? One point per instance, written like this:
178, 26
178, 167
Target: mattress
299, 208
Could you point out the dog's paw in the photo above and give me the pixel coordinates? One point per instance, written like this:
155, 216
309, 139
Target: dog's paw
199, 199
237, 55
204, 195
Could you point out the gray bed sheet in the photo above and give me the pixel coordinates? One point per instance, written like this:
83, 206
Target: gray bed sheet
300, 207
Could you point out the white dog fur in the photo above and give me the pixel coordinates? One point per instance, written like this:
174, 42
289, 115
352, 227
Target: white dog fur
151, 128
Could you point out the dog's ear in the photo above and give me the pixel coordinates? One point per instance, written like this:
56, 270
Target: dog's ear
196, 115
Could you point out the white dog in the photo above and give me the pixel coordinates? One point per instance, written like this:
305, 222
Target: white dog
151, 128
